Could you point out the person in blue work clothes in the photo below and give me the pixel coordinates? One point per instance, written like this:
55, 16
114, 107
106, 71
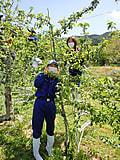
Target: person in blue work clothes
44, 107
33, 38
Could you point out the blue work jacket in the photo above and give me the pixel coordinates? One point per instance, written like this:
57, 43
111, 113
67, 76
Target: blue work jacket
33, 38
46, 86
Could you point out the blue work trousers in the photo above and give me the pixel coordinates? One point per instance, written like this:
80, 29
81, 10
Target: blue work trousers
43, 110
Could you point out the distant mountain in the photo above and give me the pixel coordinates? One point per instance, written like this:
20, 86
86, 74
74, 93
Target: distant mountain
96, 38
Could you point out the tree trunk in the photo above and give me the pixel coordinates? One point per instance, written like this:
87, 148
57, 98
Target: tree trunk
8, 94
67, 142
8, 103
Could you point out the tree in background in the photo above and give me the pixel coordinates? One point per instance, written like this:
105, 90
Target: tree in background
113, 51
107, 51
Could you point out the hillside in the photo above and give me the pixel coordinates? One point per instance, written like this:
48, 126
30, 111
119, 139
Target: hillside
97, 38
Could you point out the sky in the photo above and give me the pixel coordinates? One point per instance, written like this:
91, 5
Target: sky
106, 10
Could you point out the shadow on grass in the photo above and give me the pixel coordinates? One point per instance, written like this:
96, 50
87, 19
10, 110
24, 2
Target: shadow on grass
15, 145
58, 149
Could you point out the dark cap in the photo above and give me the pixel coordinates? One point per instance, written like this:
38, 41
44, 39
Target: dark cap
52, 62
33, 31
1, 16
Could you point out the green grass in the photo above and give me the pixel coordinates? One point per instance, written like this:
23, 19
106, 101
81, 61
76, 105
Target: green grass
97, 143
16, 140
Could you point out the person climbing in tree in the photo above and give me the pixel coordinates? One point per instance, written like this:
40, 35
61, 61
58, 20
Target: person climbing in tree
76, 62
35, 60
33, 38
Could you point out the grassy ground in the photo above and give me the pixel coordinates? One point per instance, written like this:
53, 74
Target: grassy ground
113, 72
97, 143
